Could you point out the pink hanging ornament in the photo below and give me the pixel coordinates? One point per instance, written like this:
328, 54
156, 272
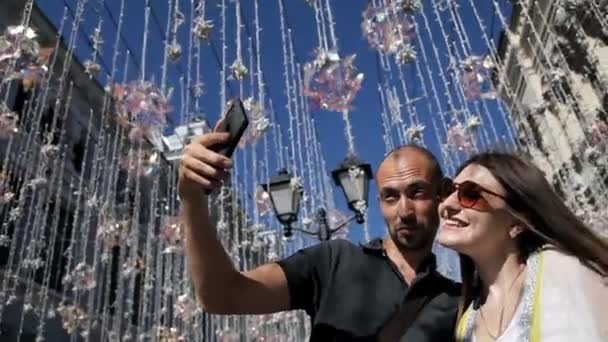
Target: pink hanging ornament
74, 319
598, 134
388, 29
460, 138
186, 308
112, 233
143, 106
20, 54
477, 78
171, 234
168, 334
331, 82
82, 277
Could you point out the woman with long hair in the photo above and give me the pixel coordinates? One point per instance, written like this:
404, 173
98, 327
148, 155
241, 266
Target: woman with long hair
531, 270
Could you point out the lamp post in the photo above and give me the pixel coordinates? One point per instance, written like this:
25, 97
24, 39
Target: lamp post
285, 199
352, 176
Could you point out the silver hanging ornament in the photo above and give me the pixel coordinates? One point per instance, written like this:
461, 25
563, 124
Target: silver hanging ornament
202, 28
91, 68
473, 122
50, 151
238, 70
174, 52
414, 132
97, 39
407, 55
410, 6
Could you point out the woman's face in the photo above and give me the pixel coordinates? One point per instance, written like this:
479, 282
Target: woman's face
478, 224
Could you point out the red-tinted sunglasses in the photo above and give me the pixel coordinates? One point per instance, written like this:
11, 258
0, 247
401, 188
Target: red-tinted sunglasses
469, 194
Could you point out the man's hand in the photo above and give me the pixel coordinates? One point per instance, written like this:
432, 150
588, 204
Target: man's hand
202, 170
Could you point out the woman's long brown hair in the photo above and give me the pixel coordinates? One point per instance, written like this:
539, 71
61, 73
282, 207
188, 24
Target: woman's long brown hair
550, 221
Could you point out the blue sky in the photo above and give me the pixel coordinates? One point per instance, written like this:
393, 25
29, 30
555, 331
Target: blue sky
365, 117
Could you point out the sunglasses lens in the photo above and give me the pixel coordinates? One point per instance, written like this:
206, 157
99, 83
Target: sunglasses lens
469, 194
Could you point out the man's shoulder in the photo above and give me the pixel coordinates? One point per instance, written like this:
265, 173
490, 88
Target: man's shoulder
337, 251
338, 245
447, 285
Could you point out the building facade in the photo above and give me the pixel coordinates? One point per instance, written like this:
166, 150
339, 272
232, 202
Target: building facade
554, 67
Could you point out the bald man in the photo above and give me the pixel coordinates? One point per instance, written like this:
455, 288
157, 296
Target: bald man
387, 289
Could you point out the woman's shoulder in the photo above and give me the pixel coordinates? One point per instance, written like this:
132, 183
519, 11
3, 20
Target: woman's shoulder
573, 295
569, 269
552, 254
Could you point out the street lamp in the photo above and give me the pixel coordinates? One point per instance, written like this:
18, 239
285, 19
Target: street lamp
285, 199
353, 177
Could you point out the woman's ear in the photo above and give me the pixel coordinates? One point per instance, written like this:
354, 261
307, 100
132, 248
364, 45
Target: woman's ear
516, 229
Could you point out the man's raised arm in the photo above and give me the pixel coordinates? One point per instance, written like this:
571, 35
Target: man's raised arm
219, 286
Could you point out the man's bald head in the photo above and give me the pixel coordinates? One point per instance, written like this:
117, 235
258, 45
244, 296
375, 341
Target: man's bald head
416, 152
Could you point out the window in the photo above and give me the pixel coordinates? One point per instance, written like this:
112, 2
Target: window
20, 97
78, 152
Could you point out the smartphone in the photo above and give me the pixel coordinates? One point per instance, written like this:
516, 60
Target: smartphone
235, 123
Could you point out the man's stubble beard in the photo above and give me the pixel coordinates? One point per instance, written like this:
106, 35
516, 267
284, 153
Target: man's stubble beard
421, 239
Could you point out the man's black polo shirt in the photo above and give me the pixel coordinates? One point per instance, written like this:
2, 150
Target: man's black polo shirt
351, 291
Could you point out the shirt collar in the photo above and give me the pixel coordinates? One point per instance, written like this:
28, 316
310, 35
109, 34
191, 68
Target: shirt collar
428, 265
374, 245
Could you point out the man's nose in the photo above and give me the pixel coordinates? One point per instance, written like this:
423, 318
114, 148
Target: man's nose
406, 207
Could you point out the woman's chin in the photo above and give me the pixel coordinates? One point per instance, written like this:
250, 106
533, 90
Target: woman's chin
452, 240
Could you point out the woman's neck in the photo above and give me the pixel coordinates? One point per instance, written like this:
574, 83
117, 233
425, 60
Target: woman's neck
499, 272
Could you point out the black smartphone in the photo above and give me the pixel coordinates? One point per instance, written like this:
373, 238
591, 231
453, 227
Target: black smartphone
235, 123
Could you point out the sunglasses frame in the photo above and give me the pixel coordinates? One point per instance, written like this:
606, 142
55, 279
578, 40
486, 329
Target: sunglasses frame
456, 187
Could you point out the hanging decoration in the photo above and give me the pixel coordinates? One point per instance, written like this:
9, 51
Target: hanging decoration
203, 28
258, 122
74, 318
19, 53
460, 138
391, 29
414, 132
186, 308
410, 6
142, 162
171, 234
477, 73
6, 195
262, 201
330, 82
388, 29
174, 48
82, 277
92, 68
112, 232
141, 108
8, 122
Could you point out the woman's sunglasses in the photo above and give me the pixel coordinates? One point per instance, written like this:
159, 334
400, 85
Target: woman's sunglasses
469, 194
